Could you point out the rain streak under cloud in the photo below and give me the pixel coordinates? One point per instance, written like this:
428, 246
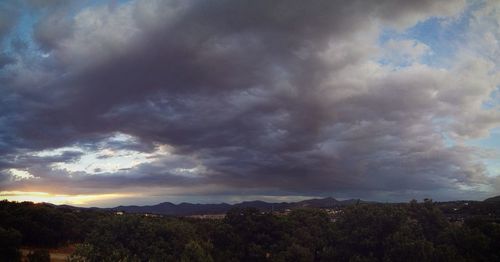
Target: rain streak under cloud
112, 102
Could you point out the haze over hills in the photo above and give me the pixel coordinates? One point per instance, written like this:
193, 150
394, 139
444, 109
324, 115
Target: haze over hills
184, 209
187, 209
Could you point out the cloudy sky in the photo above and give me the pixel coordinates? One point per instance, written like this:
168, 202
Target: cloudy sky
139, 102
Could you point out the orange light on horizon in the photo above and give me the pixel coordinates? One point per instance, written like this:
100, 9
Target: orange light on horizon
59, 199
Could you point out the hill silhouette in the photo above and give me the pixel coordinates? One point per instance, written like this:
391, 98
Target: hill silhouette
185, 209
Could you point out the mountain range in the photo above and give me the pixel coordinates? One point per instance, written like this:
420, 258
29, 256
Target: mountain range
186, 209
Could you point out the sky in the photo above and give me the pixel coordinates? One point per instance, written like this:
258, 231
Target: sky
105, 103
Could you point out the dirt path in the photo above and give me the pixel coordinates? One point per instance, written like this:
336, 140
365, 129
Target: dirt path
56, 254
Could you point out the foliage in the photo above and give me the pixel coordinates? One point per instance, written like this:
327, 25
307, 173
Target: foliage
134, 238
10, 240
362, 232
39, 255
44, 225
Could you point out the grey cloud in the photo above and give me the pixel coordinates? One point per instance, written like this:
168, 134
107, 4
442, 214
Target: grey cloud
19, 45
23, 161
52, 29
8, 18
40, 4
59, 181
5, 60
10, 10
275, 96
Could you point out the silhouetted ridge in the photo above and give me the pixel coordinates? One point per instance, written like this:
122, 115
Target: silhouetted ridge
186, 209
493, 199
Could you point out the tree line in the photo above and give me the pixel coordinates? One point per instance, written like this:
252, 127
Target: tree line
364, 232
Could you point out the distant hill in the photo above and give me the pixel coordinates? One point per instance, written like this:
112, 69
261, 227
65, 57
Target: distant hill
321, 202
182, 209
493, 199
185, 209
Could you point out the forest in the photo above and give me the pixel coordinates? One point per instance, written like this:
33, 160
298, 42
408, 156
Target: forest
364, 232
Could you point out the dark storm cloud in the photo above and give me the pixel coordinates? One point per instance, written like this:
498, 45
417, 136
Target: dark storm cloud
5, 60
263, 94
26, 161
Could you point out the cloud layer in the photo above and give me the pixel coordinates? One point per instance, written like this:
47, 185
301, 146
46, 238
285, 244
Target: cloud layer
247, 97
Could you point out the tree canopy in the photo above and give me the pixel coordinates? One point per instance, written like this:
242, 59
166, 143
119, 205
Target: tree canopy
363, 232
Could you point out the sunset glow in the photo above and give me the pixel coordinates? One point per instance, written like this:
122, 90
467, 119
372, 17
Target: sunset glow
59, 199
